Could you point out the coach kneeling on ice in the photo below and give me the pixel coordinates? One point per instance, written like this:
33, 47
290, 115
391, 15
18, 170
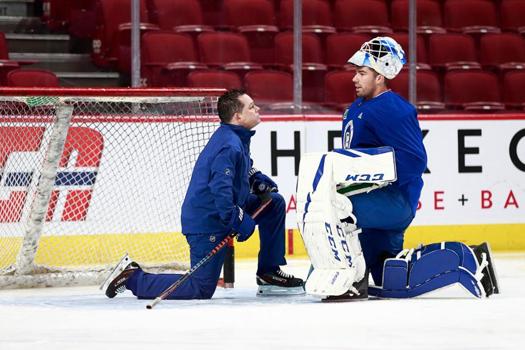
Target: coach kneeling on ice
330, 231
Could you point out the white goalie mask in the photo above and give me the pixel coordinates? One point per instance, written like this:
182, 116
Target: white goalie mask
383, 54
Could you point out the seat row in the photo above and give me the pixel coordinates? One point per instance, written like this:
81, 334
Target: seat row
473, 90
165, 53
339, 14
256, 20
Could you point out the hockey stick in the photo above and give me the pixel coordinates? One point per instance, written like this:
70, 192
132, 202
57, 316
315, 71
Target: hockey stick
218, 247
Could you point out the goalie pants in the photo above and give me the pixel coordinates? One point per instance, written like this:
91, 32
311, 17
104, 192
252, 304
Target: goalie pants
383, 215
203, 282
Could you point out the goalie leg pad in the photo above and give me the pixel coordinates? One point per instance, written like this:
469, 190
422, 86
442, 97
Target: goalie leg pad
416, 272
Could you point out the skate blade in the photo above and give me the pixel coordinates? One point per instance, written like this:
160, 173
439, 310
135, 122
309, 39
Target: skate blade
269, 290
116, 271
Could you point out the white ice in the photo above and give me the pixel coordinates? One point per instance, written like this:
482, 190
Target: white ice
83, 318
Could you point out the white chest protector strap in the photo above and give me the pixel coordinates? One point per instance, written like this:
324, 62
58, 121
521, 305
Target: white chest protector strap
332, 244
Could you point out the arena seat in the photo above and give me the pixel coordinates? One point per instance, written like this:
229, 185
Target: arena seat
503, 51
249, 12
111, 45
313, 67
402, 39
269, 86
512, 15
32, 78
470, 16
340, 89
429, 96
429, 18
169, 14
362, 16
212, 12
473, 90
256, 20
167, 58
214, 79
6, 64
514, 89
312, 51
452, 49
341, 46
82, 22
227, 50
56, 13
316, 16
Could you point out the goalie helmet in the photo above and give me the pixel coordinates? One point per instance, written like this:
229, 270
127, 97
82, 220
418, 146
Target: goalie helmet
382, 54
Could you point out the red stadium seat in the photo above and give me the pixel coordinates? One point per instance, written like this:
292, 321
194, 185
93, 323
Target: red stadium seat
214, 79
340, 89
32, 78
512, 15
269, 86
313, 67
316, 16
82, 19
57, 12
504, 50
402, 39
429, 97
472, 90
212, 11
312, 52
227, 50
183, 16
514, 89
452, 49
471, 16
341, 46
363, 16
429, 18
169, 14
113, 38
256, 20
249, 12
167, 58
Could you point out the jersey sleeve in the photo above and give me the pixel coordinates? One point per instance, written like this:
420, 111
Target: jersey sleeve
222, 182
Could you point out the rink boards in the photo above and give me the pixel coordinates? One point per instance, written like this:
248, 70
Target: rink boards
474, 185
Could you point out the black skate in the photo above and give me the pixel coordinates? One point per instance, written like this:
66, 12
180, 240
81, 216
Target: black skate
358, 291
279, 283
489, 281
116, 281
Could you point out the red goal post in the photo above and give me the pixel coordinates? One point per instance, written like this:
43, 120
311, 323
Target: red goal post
89, 174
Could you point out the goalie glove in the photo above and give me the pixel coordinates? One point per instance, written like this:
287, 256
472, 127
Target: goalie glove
243, 224
260, 183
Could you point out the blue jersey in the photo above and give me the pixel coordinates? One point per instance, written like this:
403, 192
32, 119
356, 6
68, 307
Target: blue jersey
219, 182
389, 120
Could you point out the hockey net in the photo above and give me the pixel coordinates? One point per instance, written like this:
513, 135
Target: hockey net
89, 174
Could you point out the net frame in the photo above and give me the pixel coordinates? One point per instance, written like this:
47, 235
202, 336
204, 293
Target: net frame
63, 103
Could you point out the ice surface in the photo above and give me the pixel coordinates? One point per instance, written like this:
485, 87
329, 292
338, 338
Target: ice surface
83, 318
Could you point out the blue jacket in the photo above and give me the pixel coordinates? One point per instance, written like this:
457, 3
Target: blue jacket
389, 120
219, 182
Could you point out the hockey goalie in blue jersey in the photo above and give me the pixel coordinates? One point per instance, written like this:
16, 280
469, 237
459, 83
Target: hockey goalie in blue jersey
354, 204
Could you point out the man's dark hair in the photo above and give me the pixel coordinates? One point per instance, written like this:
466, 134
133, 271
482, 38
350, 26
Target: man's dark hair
229, 104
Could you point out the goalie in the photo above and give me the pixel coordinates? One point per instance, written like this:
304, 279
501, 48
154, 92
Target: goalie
354, 204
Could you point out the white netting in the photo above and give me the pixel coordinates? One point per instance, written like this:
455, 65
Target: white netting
119, 182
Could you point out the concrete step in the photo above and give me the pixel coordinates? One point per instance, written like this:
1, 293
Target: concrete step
46, 43
57, 62
17, 24
21, 8
88, 79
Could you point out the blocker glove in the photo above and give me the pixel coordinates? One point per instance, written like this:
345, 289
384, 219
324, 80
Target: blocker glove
260, 183
243, 224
